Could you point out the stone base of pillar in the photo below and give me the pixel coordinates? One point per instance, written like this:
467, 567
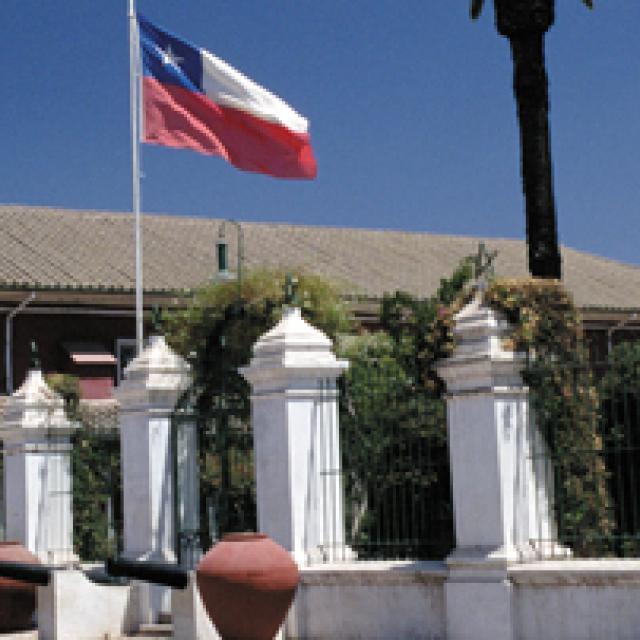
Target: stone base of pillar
71, 607
479, 608
153, 601
479, 593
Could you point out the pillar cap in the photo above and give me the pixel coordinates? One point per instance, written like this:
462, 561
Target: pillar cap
479, 330
157, 368
297, 345
479, 361
35, 406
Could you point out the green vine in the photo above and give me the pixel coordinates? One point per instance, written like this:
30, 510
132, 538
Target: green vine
393, 426
216, 333
392, 386
620, 408
547, 327
95, 463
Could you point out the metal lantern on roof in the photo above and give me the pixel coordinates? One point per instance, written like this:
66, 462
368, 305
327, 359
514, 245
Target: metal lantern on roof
222, 250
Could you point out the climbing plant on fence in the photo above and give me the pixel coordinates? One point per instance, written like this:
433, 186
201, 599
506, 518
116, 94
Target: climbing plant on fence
565, 402
217, 330
393, 457
393, 423
216, 333
95, 464
97, 484
619, 390
393, 427
392, 412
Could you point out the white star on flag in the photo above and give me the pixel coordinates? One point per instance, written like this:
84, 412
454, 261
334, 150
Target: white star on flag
170, 58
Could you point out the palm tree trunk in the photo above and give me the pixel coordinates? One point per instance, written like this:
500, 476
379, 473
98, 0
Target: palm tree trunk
530, 88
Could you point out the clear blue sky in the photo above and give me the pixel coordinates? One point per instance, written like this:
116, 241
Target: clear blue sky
410, 103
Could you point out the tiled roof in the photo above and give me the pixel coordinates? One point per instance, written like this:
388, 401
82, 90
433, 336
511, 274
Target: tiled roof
88, 249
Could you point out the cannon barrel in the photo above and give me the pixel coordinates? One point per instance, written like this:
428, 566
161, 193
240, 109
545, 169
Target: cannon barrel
170, 575
26, 572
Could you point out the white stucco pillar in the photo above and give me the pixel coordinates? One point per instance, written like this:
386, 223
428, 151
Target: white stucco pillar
37, 471
500, 493
148, 394
294, 415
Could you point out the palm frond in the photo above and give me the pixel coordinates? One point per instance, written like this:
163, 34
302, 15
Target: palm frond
476, 8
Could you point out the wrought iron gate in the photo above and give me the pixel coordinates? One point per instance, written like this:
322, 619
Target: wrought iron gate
214, 489
97, 483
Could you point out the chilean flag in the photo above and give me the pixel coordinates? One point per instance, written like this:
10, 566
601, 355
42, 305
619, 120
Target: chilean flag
194, 100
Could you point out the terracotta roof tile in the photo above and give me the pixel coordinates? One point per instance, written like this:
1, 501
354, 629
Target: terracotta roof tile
56, 247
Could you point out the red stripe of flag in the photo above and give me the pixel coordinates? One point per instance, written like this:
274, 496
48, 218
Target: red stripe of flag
177, 117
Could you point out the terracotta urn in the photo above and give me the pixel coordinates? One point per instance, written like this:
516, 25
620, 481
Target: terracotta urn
17, 598
247, 583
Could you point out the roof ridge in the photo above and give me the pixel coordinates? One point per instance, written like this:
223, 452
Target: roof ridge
597, 256
192, 217
11, 208
97, 254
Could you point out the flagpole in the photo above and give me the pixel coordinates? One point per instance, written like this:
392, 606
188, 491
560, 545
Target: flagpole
135, 166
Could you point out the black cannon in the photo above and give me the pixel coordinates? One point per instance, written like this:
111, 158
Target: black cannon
169, 575
31, 573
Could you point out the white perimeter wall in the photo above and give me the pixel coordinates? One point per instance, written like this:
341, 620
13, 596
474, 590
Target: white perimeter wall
578, 600
372, 600
562, 600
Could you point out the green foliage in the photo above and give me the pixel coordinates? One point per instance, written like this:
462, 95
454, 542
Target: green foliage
95, 463
393, 426
68, 386
386, 437
422, 330
227, 481
216, 333
619, 392
222, 323
564, 397
97, 485
543, 317
625, 370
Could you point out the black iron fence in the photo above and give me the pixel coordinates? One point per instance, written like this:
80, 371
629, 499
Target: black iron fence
97, 482
589, 418
395, 469
393, 475
215, 484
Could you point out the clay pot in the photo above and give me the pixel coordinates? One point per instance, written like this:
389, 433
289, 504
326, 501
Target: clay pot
247, 583
17, 599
